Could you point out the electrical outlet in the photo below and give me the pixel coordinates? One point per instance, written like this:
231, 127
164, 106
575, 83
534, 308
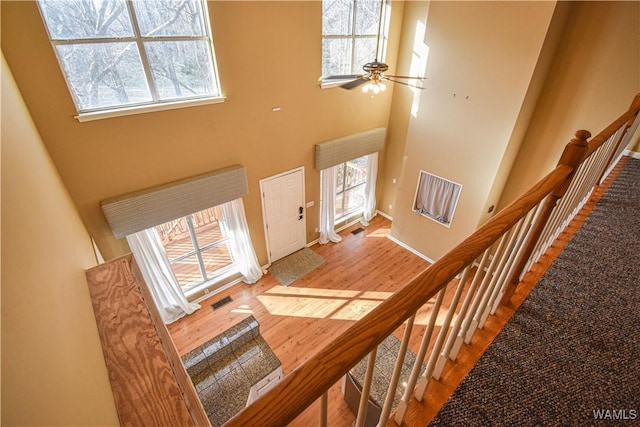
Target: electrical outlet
316, 229
390, 207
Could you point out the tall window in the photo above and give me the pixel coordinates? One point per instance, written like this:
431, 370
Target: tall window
349, 35
351, 178
197, 248
121, 53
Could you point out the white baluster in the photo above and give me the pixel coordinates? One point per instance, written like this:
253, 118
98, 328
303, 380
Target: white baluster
397, 370
453, 336
444, 330
413, 377
324, 404
366, 389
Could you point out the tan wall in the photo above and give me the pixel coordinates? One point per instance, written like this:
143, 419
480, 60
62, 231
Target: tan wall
269, 55
536, 85
411, 56
482, 56
53, 371
594, 77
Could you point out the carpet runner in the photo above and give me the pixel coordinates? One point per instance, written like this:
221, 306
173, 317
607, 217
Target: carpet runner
570, 355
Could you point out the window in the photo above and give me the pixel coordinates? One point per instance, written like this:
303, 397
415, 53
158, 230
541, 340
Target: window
349, 35
436, 198
119, 53
351, 178
197, 248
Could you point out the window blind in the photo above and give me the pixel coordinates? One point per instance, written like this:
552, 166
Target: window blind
144, 209
331, 153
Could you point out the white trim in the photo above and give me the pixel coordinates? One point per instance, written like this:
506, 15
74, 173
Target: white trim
264, 211
632, 154
358, 219
415, 198
386, 215
328, 84
217, 290
410, 249
140, 109
608, 171
350, 223
313, 242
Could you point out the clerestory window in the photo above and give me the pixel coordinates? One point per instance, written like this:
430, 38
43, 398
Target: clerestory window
118, 54
350, 34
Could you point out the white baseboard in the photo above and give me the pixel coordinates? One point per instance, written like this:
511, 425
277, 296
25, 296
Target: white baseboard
410, 249
349, 224
385, 215
633, 154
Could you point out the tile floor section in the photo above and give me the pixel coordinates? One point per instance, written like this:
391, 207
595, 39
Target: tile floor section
224, 368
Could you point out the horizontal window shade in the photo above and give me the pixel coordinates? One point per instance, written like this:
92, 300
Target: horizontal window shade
144, 209
350, 147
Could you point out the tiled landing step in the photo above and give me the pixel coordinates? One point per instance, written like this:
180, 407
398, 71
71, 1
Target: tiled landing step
232, 369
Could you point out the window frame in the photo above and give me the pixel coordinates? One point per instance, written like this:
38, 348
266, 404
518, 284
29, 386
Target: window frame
346, 214
155, 104
382, 46
218, 275
455, 204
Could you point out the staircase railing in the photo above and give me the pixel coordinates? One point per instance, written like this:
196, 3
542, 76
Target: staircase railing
481, 271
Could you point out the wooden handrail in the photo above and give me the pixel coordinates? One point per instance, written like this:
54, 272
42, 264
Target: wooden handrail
625, 120
303, 386
307, 383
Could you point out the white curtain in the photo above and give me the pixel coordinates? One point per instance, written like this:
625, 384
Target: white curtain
370, 189
436, 197
156, 270
328, 206
240, 245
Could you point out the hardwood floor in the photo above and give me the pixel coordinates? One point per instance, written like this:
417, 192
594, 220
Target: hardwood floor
358, 273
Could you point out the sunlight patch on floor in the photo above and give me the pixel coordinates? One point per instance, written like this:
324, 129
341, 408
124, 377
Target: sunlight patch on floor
380, 232
321, 303
243, 309
355, 310
313, 292
318, 308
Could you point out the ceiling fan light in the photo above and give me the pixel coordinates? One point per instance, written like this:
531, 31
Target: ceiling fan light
382, 86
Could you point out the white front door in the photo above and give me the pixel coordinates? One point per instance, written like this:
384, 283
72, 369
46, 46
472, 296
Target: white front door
284, 213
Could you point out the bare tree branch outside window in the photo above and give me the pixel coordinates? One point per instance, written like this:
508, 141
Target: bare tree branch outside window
117, 53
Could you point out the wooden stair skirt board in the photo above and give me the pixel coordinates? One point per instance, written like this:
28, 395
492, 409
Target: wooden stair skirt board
149, 382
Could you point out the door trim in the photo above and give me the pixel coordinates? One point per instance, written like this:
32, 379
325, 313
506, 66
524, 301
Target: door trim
264, 211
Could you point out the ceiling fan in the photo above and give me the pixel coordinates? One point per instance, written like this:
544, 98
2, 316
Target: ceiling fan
374, 75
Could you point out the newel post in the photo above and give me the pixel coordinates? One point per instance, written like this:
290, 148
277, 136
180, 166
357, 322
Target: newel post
572, 156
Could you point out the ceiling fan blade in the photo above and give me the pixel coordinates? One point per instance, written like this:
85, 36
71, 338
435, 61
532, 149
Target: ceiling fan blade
341, 77
403, 83
354, 83
406, 77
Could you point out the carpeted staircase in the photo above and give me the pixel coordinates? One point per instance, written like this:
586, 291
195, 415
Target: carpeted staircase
570, 355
